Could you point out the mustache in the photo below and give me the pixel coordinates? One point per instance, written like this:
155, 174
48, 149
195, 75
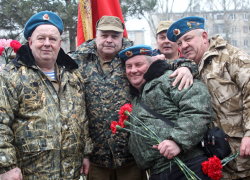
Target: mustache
167, 46
108, 46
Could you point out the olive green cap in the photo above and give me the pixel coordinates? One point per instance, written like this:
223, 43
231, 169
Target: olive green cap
110, 23
163, 26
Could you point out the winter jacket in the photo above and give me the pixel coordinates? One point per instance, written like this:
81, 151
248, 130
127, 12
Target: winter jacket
106, 92
189, 109
43, 132
226, 72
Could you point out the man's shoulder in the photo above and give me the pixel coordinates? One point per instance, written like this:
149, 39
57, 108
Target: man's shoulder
86, 47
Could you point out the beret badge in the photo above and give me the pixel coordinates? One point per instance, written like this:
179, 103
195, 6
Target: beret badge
177, 32
129, 53
192, 24
46, 17
144, 51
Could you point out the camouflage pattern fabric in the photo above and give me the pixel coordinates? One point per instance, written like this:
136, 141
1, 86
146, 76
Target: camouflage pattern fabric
106, 92
42, 132
226, 72
190, 110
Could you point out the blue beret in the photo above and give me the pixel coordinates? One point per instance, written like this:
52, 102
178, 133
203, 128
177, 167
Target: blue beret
132, 51
44, 17
184, 25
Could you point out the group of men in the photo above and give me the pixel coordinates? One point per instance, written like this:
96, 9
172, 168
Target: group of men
56, 109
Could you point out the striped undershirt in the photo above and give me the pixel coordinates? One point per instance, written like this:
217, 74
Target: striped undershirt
51, 74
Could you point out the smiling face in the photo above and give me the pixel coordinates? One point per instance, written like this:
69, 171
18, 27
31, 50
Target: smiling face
108, 43
45, 43
166, 47
136, 67
193, 44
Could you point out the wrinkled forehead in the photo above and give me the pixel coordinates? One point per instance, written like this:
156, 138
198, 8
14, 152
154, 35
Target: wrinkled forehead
46, 28
137, 59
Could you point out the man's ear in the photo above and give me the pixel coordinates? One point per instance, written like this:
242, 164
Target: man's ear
30, 42
205, 37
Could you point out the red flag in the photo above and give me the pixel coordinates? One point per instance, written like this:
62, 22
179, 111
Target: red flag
98, 9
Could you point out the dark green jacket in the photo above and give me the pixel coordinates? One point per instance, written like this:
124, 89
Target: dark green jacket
42, 132
106, 92
189, 109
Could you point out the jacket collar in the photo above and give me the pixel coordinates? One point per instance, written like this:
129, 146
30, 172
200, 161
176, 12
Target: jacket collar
24, 56
155, 70
215, 44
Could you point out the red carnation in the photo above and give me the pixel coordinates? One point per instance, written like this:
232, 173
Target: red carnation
212, 168
113, 126
1, 51
15, 45
121, 122
125, 110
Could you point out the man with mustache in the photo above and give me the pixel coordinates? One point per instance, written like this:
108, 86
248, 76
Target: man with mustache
164, 46
226, 72
107, 90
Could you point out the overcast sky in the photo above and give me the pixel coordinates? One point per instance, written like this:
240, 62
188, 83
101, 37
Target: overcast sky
136, 24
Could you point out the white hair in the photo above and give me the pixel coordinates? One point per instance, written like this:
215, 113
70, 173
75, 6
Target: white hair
149, 59
199, 31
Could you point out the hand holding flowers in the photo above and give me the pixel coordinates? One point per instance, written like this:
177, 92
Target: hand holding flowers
7, 47
150, 136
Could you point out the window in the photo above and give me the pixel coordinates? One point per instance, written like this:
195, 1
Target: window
234, 43
245, 43
233, 16
219, 28
219, 16
245, 16
234, 30
245, 29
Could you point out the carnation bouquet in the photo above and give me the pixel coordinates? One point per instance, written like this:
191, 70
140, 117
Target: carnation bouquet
213, 166
7, 46
148, 134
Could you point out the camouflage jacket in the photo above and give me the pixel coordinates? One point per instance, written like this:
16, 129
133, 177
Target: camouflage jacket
226, 72
106, 92
41, 131
190, 110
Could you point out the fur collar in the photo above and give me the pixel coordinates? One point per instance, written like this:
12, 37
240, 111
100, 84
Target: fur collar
25, 56
155, 70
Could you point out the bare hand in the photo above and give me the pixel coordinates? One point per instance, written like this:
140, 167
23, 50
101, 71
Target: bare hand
85, 167
183, 74
161, 56
14, 174
168, 148
245, 147
1, 67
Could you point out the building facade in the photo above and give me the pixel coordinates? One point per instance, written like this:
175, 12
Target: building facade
233, 25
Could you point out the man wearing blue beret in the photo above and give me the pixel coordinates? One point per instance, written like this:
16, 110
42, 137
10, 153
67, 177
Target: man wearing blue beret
226, 72
107, 89
43, 121
189, 110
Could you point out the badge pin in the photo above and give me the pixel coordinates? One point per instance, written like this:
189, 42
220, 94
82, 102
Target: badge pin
129, 53
46, 17
177, 32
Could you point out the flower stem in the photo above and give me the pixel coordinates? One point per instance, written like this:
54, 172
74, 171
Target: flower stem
146, 128
229, 158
